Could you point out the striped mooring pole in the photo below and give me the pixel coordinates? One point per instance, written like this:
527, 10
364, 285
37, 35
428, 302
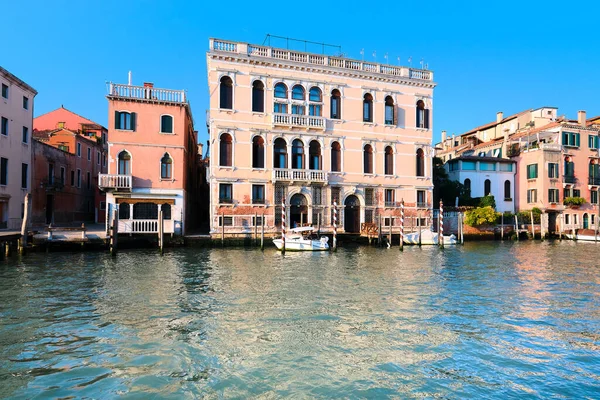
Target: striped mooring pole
441, 218
334, 226
402, 225
283, 226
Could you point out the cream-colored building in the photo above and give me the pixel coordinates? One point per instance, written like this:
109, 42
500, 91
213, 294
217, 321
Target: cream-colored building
16, 121
311, 130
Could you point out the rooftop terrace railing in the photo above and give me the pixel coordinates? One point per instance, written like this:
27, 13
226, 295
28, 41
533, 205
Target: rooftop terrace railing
146, 93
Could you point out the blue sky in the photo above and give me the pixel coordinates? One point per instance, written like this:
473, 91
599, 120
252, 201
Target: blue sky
487, 56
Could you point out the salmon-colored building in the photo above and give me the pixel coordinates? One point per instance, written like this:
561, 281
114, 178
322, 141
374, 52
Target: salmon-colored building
310, 130
152, 157
65, 181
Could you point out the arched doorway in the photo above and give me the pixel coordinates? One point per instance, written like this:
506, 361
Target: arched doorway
352, 214
586, 222
298, 210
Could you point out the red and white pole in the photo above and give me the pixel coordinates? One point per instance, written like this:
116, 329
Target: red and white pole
441, 218
334, 226
402, 225
283, 225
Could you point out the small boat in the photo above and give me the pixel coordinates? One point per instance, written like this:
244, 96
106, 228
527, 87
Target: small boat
588, 235
303, 239
428, 238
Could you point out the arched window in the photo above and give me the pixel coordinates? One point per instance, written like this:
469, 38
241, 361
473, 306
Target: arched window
420, 162
226, 150
315, 94
422, 115
124, 211
314, 155
258, 96
279, 153
226, 101
487, 187
258, 152
507, 195
297, 154
298, 92
336, 104
124, 163
166, 124
368, 159
467, 185
166, 167
368, 108
389, 161
336, 157
389, 110
281, 91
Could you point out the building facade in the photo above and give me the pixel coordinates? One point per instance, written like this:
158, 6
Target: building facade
310, 130
16, 121
66, 181
152, 157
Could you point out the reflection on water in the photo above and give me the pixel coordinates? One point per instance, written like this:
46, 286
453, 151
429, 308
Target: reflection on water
501, 320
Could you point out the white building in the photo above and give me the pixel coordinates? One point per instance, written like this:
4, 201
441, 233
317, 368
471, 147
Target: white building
486, 175
16, 121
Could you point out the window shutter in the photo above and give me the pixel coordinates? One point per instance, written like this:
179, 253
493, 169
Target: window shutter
418, 117
395, 111
426, 117
577, 139
117, 126
133, 121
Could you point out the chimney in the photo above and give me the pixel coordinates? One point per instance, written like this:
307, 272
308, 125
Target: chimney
444, 137
499, 116
149, 85
581, 117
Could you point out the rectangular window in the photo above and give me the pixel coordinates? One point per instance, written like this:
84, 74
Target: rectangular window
257, 221
566, 193
4, 91
78, 149
317, 192
98, 157
468, 165
89, 154
103, 138
335, 195
26, 102
280, 108
225, 193
24, 168
369, 197
78, 178
4, 126
532, 171
532, 196
553, 195
225, 221
390, 197
51, 174
102, 205
314, 110
125, 120
25, 138
421, 199
298, 110
3, 171
567, 219
104, 160
72, 178
89, 180
62, 175
63, 147
506, 167
576, 193
487, 166
594, 197
258, 194
593, 141
570, 139
575, 218
552, 170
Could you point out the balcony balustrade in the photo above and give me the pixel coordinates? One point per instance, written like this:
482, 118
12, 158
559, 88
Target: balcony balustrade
318, 59
298, 121
115, 182
299, 175
146, 93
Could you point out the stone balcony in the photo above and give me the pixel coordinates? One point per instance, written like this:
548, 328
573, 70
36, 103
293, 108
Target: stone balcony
299, 175
298, 121
116, 182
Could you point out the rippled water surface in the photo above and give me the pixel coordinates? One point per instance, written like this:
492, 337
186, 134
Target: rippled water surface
496, 320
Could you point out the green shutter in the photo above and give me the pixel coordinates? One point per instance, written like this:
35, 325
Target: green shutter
577, 139
536, 171
133, 115
117, 114
565, 139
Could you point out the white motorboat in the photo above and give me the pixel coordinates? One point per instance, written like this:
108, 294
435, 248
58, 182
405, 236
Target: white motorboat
303, 239
588, 235
428, 238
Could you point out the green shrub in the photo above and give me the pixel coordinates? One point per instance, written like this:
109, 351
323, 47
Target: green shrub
509, 218
481, 216
574, 201
488, 201
525, 216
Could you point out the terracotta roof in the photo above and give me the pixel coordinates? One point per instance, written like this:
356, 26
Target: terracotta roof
490, 124
83, 120
536, 130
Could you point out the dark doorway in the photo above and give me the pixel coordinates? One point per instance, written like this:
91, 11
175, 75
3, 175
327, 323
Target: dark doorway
552, 222
352, 214
298, 210
586, 221
49, 208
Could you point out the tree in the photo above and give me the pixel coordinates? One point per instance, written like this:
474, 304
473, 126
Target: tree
446, 189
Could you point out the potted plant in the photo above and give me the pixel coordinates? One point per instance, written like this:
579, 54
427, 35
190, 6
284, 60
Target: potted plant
573, 202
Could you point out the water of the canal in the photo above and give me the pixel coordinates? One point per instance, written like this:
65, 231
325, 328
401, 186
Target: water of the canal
484, 320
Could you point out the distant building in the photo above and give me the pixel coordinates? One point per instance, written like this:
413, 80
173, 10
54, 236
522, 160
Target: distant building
16, 121
66, 169
309, 130
152, 158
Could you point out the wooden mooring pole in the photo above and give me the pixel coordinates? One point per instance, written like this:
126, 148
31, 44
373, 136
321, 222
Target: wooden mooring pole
262, 233
255, 228
26, 212
419, 224
532, 225
561, 226
114, 231
517, 227
161, 232
222, 229
502, 227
